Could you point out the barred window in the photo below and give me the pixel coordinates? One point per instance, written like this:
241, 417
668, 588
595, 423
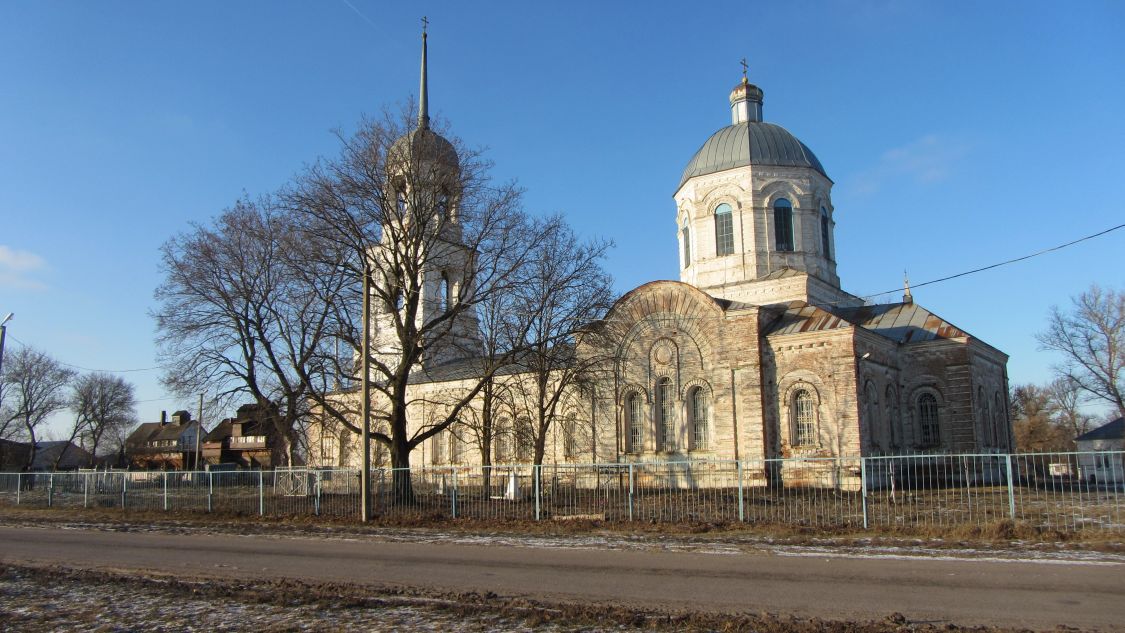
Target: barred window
436, 445
633, 419
825, 240
783, 224
928, 425
698, 400
454, 448
804, 419
724, 230
522, 437
687, 247
501, 442
665, 415
570, 446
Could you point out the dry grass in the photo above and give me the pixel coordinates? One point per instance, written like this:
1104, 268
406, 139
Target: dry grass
997, 534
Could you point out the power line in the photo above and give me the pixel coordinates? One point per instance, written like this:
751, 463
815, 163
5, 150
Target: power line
999, 264
108, 371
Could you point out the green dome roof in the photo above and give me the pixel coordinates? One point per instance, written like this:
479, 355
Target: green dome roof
750, 143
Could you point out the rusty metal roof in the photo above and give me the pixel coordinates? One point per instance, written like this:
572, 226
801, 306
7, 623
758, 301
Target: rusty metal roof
750, 143
900, 322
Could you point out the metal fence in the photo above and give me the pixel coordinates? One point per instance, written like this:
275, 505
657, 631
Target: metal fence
1068, 492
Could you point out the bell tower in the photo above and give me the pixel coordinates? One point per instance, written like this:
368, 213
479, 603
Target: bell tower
421, 255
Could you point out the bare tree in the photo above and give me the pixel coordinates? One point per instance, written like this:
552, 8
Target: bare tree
1067, 398
410, 206
564, 289
35, 389
104, 407
1091, 339
250, 307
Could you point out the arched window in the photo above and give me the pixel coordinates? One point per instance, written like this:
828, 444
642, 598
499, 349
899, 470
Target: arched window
501, 442
929, 428
401, 200
825, 239
570, 446
436, 448
697, 401
724, 230
804, 418
454, 448
687, 247
783, 225
664, 415
522, 437
443, 293
633, 423
999, 428
874, 435
984, 414
894, 420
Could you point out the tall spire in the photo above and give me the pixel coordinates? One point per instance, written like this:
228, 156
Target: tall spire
423, 97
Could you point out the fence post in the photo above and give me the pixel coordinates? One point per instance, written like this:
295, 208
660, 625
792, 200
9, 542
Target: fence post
165, 491
316, 502
1011, 488
741, 505
863, 486
210, 489
85, 490
261, 493
124, 487
453, 494
51, 491
535, 476
630, 492
19, 486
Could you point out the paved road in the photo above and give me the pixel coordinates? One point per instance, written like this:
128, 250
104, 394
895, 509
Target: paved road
1023, 594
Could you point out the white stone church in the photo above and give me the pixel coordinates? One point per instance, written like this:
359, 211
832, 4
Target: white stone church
756, 352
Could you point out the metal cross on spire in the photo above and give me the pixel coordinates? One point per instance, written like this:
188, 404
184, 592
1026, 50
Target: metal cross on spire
744, 68
425, 23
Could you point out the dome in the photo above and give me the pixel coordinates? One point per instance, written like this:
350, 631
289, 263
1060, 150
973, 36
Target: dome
750, 143
427, 144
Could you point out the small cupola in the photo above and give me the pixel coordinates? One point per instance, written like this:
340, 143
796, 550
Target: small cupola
745, 102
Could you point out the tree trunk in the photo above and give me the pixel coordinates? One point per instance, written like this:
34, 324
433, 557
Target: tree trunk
401, 482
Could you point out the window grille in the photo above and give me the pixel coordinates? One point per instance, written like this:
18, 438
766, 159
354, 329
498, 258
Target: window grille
928, 420
783, 224
570, 448
633, 420
724, 230
804, 419
665, 414
699, 419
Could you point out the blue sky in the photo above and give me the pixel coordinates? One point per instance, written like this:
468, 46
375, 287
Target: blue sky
958, 134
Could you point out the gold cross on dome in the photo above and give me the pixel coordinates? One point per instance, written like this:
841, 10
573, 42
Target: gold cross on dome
744, 67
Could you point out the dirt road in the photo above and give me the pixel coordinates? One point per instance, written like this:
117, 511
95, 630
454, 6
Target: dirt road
1041, 595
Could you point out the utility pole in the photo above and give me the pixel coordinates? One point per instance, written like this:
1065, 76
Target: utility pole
198, 431
3, 331
365, 381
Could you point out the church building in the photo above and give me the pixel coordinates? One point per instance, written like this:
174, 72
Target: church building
756, 352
